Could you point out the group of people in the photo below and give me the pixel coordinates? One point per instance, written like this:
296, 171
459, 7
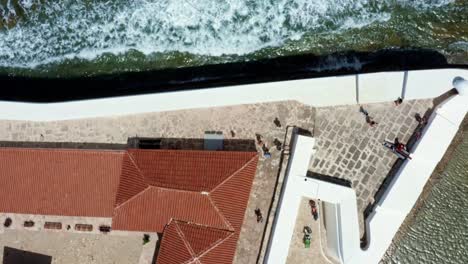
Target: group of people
263, 145
369, 120
398, 146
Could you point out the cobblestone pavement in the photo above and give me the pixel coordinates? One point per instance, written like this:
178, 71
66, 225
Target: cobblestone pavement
348, 148
245, 121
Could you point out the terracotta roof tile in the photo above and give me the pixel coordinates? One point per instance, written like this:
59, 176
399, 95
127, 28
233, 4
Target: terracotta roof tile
174, 250
153, 209
143, 190
188, 170
202, 238
231, 196
223, 253
59, 181
198, 240
131, 181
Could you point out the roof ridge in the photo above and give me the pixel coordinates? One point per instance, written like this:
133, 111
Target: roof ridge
140, 174
132, 198
214, 245
211, 246
186, 243
234, 173
138, 168
178, 190
220, 213
202, 225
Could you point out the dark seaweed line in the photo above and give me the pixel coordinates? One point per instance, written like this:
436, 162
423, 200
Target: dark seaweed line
47, 90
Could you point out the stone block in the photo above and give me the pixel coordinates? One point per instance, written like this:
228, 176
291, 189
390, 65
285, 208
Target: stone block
358, 164
363, 156
365, 179
338, 160
356, 155
364, 143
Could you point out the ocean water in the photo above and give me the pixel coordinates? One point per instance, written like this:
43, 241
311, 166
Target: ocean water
87, 37
439, 233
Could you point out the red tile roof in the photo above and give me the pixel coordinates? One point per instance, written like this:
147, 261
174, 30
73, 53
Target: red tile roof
157, 185
191, 243
131, 181
59, 181
203, 194
230, 198
153, 208
188, 170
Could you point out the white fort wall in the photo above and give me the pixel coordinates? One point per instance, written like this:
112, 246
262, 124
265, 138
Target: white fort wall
319, 92
341, 209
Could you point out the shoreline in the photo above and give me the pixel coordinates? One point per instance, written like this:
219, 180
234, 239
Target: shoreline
287, 68
433, 180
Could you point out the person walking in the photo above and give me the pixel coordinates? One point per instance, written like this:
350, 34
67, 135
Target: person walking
259, 215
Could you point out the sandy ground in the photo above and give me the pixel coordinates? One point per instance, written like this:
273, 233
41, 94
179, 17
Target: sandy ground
68, 248
297, 251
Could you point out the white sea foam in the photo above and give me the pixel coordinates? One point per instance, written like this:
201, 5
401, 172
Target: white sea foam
67, 29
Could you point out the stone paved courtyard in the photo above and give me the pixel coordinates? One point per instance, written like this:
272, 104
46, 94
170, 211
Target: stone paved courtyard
348, 148
245, 121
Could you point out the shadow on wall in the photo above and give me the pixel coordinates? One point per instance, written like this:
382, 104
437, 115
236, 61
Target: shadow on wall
17, 256
327, 178
190, 144
66, 145
247, 145
266, 70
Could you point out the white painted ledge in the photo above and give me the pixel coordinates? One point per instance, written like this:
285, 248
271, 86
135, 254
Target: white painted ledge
319, 92
391, 210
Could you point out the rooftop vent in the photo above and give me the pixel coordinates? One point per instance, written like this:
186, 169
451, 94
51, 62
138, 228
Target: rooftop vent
214, 140
53, 225
84, 227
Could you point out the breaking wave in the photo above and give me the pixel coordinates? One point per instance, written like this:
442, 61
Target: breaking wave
38, 32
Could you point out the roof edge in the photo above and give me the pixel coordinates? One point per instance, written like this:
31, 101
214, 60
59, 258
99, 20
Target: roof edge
234, 173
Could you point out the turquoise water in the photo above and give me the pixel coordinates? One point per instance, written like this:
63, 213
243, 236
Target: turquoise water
85, 37
439, 233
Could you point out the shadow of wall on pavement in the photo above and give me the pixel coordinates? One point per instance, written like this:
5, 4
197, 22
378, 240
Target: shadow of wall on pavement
18, 256
247, 145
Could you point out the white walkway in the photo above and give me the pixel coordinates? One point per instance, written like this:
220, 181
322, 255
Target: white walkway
328, 91
391, 210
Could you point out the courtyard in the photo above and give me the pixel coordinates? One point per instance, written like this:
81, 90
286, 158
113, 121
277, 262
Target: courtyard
347, 148
23, 246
